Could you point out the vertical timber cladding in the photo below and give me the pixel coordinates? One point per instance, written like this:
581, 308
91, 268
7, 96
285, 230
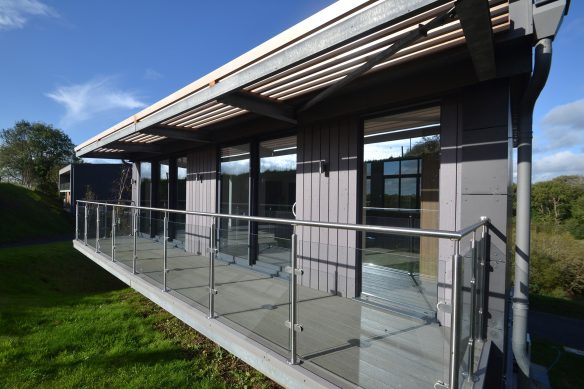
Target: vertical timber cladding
326, 191
201, 197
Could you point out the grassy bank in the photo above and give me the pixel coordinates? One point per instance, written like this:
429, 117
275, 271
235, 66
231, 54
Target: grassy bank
28, 215
64, 323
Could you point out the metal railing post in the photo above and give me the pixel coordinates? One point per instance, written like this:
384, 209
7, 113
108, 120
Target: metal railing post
135, 227
455, 317
292, 324
212, 254
85, 225
113, 233
164, 254
77, 221
483, 281
472, 311
97, 230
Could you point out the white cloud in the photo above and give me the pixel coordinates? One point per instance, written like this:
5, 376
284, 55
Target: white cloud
14, 14
558, 164
563, 126
152, 75
83, 101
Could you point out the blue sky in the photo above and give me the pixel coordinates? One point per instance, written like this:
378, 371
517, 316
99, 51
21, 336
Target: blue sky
85, 65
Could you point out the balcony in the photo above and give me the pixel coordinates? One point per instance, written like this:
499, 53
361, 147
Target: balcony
297, 335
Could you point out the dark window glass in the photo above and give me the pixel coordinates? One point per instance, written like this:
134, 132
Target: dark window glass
409, 166
391, 168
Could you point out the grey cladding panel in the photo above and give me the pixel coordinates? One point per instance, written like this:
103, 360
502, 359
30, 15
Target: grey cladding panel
485, 105
201, 196
328, 256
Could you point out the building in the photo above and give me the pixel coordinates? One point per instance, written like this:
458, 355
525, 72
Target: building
334, 206
98, 181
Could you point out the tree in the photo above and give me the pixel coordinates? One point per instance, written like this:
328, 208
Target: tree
552, 200
122, 187
32, 153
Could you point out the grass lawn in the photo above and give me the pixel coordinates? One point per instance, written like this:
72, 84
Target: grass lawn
65, 323
28, 215
564, 368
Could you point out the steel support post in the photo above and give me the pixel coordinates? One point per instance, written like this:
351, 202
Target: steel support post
212, 255
97, 229
85, 225
164, 248
482, 281
113, 233
472, 311
455, 317
135, 237
292, 323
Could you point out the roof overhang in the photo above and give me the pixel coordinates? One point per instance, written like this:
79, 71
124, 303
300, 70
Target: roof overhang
65, 169
310, 56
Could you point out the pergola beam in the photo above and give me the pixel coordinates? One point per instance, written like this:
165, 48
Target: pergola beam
260, 105
178, 134
475, 19
137, 148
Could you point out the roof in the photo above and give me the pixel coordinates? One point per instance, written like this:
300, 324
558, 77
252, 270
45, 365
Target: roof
307, 57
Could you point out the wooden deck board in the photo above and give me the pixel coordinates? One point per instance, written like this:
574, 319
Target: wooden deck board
364, 345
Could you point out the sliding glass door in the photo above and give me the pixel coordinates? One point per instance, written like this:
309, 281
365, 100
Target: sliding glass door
401, 156
234, 166
258, 179
276, 197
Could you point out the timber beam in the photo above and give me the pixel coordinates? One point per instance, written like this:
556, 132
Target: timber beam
475, 18
260, 105
178, 134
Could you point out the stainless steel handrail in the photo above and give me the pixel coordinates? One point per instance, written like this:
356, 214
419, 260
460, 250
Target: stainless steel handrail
405, 231
457, 276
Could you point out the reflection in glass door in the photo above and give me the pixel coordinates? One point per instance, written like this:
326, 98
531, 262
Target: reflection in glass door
258, 179
234, 166
145, 197
181, 199
401, 175
163, 194
276, 197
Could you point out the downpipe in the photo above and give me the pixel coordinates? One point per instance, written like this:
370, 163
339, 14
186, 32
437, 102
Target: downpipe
543, 60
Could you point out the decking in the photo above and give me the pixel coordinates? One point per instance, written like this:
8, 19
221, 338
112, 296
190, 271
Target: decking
343, 340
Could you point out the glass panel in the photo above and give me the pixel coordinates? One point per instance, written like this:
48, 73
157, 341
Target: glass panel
105, 229
391, 193
188, 263
409, 166
145, 196
254, 301
124, 236
235, 168
276, 197
149, 252
409, 192
467, 258
91, 226
402, 157
390, 168
80, 221
365, 344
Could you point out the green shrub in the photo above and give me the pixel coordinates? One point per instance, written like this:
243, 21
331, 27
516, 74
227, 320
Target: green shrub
557, 263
